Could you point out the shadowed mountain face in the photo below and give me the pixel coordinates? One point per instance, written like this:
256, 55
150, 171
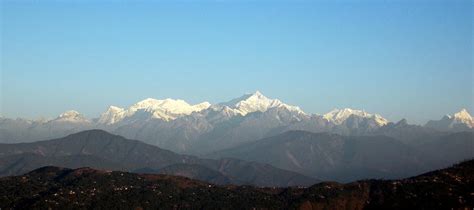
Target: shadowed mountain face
102, 150
86, 188
348, 158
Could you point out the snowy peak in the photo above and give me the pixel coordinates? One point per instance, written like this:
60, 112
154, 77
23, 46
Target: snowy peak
162, 108
257, 102
462, 117
458, 121
166, 109
71, 116
111, 116
167, 105
201, 106
339, 116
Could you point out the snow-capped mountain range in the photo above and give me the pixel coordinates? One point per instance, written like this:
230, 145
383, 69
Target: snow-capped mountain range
204, 127
170, 109
167, 109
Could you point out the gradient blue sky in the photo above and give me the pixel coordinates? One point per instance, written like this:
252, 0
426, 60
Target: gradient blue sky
402, 59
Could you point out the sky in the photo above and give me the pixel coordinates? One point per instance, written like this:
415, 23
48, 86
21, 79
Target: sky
401, 59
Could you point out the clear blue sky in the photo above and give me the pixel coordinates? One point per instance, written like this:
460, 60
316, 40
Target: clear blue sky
402, 59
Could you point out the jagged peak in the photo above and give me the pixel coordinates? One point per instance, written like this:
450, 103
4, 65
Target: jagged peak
463, 117
451, 121
258, 94
257, 102
402, 122
71, 116
202, 106
165, 109
338, 116
69, 113
252, 96
463, 114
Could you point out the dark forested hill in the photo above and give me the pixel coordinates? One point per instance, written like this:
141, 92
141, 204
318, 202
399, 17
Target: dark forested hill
86, 188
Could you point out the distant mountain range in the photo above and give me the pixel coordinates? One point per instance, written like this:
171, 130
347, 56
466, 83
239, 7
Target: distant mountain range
205, 128
86, 188
349, 158
292, 158
102, 150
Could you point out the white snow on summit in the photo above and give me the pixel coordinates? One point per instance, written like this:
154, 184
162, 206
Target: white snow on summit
171, 109
167, 109
339, 116
71, 116
256, 102
462, 117
112, 115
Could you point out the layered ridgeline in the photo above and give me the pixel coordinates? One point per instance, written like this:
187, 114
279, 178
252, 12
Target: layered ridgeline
85, 188
348, 158
102, 150
291, 158
204, 128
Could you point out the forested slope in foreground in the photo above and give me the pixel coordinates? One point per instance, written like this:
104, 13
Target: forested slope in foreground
85, 188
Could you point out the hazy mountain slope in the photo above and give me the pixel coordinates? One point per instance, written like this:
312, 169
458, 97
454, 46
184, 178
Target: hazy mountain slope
130, 153
21, 130
409, 134
449, 149
176, 135
96, 148
239, 130
254, 173
86, 188
346, 158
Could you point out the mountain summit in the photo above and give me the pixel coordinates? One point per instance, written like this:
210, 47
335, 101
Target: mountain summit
167, 109
257, 102
339, 116
464, 117
71, 116
461, 120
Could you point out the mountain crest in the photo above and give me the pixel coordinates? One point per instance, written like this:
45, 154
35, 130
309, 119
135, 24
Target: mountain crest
166, 109
112, 115
459, 120
257, 102
338, 116
463, 115
71, 116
